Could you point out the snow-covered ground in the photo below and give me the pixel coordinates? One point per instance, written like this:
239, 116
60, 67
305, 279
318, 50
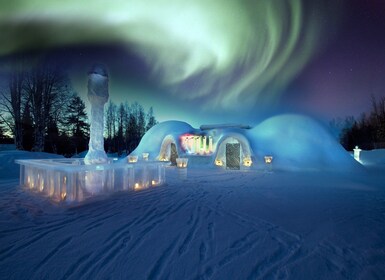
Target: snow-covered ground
214, 224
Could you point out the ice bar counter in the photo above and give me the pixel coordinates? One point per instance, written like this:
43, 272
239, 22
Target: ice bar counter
71, 180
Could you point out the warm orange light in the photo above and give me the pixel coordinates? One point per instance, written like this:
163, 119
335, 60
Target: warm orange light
42, 185
247, 161
268, 159
132, 159
218, 162
181, 162
63, 195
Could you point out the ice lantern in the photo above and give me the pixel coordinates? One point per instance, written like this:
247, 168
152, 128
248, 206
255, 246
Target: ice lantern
268, 159
357, 152
181, 162
268, 162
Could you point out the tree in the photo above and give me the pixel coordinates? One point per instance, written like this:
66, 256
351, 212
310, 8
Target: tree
121, 116
76, 116
44, 85
2, 133
76, 122
151, 121
131, 132
11, 103
141, 118
27, 124
378, 118
110, 126
369, 131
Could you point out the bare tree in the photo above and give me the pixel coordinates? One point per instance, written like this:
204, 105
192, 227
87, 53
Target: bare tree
44, 85
11, 102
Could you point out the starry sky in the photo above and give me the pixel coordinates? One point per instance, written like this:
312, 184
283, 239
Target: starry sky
213, 61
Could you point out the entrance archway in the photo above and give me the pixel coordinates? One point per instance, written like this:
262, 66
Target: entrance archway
168, 150
233, 152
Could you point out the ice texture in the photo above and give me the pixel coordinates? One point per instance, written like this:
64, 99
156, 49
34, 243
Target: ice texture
97, 96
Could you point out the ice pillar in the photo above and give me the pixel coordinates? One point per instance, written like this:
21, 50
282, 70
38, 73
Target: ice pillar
210, 144
97, 96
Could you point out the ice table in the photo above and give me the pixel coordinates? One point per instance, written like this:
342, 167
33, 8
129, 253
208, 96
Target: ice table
71, 180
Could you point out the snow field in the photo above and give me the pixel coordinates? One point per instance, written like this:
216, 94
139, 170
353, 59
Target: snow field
215, 224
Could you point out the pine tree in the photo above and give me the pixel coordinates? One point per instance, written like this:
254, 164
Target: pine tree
121, 116
76, 123
110, 126
151, 121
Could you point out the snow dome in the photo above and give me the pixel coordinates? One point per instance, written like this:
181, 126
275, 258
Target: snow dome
299, 142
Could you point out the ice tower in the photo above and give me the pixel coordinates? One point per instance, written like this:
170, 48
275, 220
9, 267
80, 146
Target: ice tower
98, 96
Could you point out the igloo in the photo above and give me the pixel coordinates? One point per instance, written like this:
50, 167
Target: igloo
288, 142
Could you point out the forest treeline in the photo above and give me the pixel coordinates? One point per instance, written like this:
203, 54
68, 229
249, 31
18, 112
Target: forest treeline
368, 132
42, 112
125, 125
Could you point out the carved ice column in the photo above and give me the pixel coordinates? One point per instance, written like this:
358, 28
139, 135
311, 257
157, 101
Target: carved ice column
98, 96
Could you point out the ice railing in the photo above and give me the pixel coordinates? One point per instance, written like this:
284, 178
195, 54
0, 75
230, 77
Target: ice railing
71, 180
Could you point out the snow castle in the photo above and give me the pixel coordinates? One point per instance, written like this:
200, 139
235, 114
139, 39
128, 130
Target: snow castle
286, 142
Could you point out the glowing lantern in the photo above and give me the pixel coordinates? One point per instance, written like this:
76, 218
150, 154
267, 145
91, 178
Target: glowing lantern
247, 161
132, 159
218, 162
145, 156
63, 195
268, 159
42, 185
181, 162
154, 183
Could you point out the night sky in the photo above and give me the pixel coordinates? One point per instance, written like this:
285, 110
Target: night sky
212, 61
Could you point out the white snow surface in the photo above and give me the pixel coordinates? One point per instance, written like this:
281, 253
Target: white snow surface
214, 224
8, 167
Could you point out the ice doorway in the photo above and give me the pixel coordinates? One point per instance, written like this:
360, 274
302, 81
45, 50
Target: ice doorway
168, 150
173, 154
233, 156
233, 152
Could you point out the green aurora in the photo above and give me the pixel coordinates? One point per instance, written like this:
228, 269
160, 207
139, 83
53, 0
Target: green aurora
222, 54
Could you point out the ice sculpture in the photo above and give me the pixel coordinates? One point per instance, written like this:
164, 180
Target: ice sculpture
75, 180
98, 96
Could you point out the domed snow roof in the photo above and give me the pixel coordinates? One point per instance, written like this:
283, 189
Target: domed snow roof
152, 140
299, 142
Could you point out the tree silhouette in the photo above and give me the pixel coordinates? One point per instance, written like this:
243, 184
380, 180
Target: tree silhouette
76, 123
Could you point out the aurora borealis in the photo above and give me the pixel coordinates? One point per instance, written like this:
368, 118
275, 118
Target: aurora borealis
211, 58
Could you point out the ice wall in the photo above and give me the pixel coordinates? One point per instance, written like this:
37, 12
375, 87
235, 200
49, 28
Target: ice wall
97, 96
